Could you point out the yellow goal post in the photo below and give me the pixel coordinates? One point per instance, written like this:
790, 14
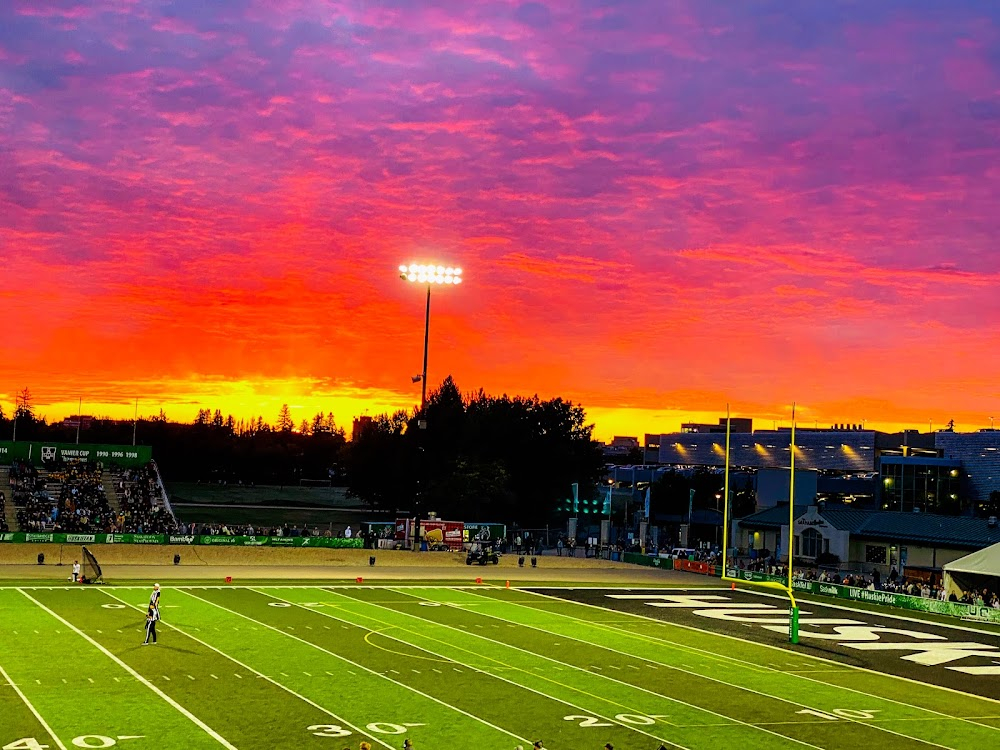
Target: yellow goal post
786, 586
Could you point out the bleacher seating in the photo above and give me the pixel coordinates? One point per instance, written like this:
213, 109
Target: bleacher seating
71, 497
139, 496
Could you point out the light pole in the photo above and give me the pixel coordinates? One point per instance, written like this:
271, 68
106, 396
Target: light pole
429, 274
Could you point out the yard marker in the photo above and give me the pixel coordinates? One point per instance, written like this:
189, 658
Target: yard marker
32, 709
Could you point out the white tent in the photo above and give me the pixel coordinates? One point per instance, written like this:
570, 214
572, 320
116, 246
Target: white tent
973, 572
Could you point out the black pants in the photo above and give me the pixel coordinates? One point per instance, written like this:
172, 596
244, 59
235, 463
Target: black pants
150, 631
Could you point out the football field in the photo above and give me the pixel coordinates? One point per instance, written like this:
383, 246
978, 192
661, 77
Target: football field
478, 667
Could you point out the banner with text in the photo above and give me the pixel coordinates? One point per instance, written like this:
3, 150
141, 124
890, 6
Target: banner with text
20, 537
45, 452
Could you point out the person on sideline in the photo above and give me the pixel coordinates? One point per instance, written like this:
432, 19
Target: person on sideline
152, 615
154, 599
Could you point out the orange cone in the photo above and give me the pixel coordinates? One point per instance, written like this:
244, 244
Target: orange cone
733, 587
360, 579
508, 584
479, 580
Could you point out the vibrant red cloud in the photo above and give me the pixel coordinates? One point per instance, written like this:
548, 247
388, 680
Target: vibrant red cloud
658, 210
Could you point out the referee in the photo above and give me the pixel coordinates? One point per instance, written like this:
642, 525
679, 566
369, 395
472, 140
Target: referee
152, 614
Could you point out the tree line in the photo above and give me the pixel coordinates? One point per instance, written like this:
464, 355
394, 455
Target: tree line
473, 456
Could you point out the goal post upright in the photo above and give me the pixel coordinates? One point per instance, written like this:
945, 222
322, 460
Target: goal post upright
793, 620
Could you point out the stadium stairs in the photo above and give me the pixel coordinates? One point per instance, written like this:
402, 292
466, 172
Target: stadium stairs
10, 512
108, 482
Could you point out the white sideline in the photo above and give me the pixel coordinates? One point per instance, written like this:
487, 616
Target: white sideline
259, 674
33, 709
585, 671
733, 721
384, 634
348, 661
870, 612
208, 730
688, 670
785, 651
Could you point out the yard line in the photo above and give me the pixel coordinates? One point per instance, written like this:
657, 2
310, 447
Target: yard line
751, 690
33, 710
208, 730
734, 720
850, 667
504, 679
870, 612
348, 661
259, 674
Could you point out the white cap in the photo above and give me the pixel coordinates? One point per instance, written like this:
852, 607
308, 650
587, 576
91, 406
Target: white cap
156, 585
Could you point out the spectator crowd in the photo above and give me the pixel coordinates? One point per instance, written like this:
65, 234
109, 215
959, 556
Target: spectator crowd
71, 497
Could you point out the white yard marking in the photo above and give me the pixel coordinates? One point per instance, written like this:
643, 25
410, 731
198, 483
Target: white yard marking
205, 727
33, 710
705, 676
494, 671
261, 675
362, 666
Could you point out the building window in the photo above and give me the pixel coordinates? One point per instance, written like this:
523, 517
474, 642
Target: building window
875, 554
812, 543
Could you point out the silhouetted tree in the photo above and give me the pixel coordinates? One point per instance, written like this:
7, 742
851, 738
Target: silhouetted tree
285, 422
480, 455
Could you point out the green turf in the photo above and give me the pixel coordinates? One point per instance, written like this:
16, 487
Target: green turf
193, 492
474, 667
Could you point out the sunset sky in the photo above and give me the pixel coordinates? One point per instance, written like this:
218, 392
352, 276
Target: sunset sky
659, 206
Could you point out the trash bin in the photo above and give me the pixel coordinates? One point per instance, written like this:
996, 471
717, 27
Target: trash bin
423, 546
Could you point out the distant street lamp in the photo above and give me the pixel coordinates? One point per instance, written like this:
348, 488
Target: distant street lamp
429, 274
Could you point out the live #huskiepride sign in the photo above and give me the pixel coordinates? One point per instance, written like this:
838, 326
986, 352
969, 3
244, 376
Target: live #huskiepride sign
19, 537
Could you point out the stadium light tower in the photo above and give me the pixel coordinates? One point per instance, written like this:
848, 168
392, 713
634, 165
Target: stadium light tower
429, 274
